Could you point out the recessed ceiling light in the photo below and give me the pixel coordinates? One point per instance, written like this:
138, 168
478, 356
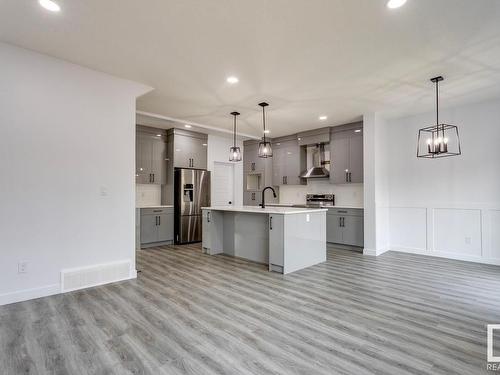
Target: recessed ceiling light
323, 118
357, 131
204, 144
232, 80
158, 135
187, 126
50, 5
266, 131
393, 4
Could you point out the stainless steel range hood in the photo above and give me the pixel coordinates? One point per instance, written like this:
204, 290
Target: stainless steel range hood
318, 169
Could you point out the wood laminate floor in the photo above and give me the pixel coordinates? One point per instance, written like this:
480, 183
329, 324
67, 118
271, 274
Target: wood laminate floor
189, 313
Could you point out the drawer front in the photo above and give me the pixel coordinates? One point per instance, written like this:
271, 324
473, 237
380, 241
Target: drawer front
345, 211
157, 211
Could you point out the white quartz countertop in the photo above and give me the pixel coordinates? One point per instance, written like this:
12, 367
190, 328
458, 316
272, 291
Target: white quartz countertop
164, 206
267, 210
297, 204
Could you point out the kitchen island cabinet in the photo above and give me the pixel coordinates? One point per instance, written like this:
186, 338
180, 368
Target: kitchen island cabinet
286, 239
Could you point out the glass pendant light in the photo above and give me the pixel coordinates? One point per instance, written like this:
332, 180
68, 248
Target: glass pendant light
440, 140
234, 152
265, 148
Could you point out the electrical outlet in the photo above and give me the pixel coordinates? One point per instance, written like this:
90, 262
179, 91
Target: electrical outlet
468, 240
22, 267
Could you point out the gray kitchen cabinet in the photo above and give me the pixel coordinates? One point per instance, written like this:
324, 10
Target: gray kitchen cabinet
334, 228
257, 174
151, 167
149, 230
353, 230
289, 161
189, 149
276, 243
251, 160
251, 198
157, 225
345, 226
279, 167
346, 155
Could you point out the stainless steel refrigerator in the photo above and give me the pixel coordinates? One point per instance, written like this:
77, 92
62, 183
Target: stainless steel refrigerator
192, 192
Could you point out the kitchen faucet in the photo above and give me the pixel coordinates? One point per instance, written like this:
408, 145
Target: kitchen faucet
263, 204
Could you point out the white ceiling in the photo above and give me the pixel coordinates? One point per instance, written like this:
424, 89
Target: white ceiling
340, 58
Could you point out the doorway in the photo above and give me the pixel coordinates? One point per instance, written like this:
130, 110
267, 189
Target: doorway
223, 184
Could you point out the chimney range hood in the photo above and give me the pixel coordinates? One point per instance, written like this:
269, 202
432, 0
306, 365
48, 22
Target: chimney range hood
318, 169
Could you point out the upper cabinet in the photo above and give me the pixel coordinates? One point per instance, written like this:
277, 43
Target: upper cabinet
189, 149
289, 161
150, 160
251, 160
346, 154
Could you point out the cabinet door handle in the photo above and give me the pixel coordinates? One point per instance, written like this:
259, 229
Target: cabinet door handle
159, 220
156, 220
343, 222
270, 223
208, 216
192, 163
350, 175
340, 221
153, 177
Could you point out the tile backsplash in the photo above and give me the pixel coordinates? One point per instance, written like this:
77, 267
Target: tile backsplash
345, 195
147, 195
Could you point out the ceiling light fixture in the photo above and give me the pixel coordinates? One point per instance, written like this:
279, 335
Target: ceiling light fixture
234, 152
50, 5
187, 126
393, 4
440, 140
323, 118
357, 131
265, 148
232, 80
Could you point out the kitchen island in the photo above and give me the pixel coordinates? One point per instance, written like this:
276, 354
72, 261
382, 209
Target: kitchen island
287, 239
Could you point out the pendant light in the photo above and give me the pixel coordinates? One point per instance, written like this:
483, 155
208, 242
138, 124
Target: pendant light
265, 148
234, 152
440, 140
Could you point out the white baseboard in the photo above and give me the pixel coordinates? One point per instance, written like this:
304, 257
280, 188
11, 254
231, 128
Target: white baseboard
442, 254
26, 294
49, 290
373, 252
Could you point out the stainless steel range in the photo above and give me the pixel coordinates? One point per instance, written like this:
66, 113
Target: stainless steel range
320, 200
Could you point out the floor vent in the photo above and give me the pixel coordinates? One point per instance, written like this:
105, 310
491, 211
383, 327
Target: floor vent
85, 277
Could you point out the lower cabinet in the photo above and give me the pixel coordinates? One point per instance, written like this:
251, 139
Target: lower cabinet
157, 225
345, 226
276, 243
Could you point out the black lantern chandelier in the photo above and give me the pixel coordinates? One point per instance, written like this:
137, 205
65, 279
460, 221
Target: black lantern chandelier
234, 152
265, 148
440, 140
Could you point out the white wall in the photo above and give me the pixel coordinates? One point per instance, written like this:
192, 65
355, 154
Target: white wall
447, 207
345, 195
376, 198
218, 151
67, 145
